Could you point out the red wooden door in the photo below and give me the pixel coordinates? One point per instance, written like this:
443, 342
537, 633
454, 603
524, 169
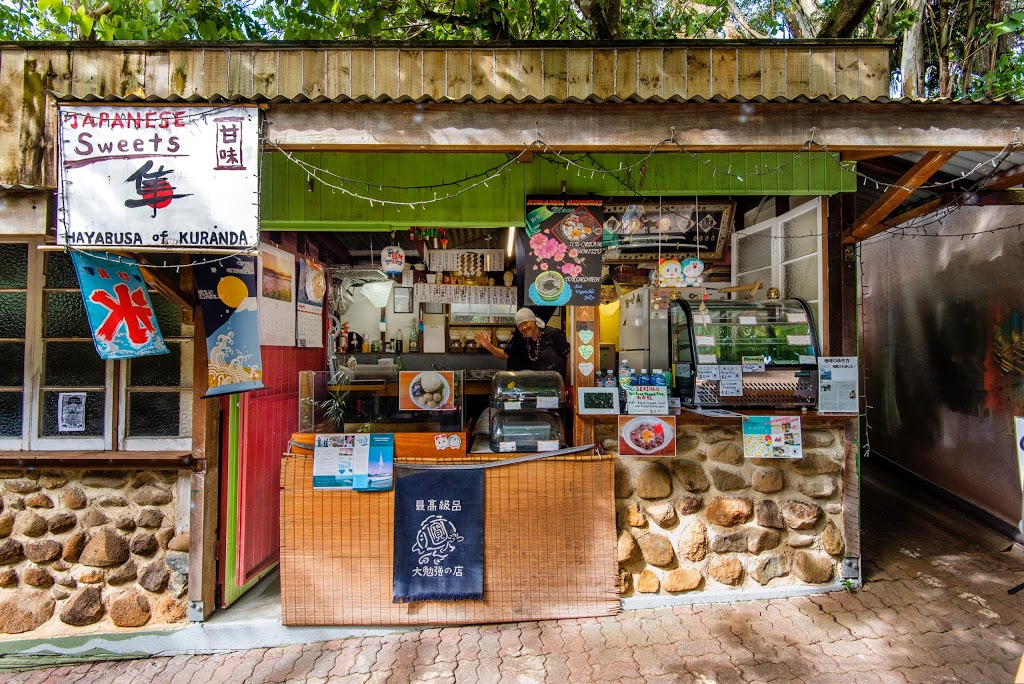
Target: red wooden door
267, 420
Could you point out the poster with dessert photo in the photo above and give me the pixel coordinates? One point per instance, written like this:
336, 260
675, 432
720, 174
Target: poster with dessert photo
562, 248
647, 436
426, 391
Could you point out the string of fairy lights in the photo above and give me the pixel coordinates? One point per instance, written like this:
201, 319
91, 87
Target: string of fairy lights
361, 189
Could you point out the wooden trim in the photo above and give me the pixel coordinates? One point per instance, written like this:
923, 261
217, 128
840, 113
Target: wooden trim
583, 426
863, 155
120, 460
1006, 179
713, 126
870, 222
841, 278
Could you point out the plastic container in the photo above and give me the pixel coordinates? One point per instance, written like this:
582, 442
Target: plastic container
658, 378
526, 390
525, 431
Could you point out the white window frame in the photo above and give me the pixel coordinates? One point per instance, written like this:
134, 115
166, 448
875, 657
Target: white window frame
774, 226
115, 382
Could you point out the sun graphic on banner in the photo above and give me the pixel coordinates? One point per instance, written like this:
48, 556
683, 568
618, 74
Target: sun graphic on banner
232, 291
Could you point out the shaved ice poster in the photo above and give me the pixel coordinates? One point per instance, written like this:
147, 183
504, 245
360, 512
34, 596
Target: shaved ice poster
228, 298
562, 250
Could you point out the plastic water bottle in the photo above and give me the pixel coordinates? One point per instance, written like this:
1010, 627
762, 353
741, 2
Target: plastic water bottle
624, 374
644, 378
634, 379
658, 379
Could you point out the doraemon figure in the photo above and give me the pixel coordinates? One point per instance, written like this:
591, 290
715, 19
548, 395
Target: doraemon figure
670, 273
691, 272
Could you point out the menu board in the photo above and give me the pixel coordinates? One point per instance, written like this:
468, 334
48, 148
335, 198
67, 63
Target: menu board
562, 244
772, 437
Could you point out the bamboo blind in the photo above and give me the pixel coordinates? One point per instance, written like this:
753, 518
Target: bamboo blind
549, 549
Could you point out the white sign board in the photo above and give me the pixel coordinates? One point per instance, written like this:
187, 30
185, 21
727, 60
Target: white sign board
838, 384
158, 176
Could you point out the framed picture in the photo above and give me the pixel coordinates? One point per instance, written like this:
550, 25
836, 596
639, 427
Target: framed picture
403, 300
642, 229
598, 400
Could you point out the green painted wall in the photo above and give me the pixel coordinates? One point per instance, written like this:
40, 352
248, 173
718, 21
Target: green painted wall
289, 204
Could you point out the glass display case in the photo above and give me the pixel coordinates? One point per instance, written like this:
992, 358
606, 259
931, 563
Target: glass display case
366, 399
741, 353
524, 411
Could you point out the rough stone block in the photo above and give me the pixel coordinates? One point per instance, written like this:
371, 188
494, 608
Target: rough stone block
656, 549
152, 495
688, 505
627, 547
683, 579
727, 480
767, 568
11, 552
767, 480
653, 482
623, 484
25, 610
832, 540
726, 569
821, 487
729, 453
693, 544
42, 550
647, 583
61, 522
84, 607
130, 608
800, 515
729, 511
105, 548
74, 498
691, 475
30, 524
813, 568
662, 513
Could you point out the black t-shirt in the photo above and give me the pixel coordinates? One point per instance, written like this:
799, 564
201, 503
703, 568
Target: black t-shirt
549, 353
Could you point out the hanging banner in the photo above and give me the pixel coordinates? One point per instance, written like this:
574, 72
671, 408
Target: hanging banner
277, 296
117, 304
562, 247
439, 535
173, 176
227, 297
312, 287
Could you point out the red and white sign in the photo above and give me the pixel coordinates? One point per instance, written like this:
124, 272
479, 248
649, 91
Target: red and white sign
158, 176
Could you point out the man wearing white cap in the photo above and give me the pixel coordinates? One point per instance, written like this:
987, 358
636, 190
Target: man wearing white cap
533, 346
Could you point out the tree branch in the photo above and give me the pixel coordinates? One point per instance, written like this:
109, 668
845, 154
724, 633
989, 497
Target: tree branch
844, 18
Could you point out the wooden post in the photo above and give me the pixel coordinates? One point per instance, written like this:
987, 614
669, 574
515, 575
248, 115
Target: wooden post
583, 355
841, 279
202, 561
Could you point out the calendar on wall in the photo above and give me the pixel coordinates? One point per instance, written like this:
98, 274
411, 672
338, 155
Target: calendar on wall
277, 297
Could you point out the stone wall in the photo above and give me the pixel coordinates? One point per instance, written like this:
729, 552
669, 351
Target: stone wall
711, 520
90, 551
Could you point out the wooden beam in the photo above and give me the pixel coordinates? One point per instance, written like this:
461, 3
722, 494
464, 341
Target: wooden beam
164, 285
714, 126
870, 222
1006, 179
863, 155
978, 198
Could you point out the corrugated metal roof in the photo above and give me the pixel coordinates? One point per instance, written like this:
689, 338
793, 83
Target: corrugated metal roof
509, 99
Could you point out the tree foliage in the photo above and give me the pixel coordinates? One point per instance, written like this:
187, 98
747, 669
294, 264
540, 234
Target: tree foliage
947, 48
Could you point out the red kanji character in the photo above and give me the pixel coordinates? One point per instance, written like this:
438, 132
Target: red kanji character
123, 276
103, 273
129, 309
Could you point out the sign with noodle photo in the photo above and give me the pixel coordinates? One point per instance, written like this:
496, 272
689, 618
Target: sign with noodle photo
647, 436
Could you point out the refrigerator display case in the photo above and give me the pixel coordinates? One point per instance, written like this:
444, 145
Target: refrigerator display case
740, 353
524, 411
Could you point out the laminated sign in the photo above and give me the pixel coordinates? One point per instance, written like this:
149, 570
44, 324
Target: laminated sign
117, 304
158, 176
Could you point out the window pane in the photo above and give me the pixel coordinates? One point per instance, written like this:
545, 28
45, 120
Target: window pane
12, 364
764, 275
12, 314
800, 279
157, 371
65, 315
13, 266
72, 364
60, 272
800, 236
10, 414
94, 407
168, 315
754, 251
159, 414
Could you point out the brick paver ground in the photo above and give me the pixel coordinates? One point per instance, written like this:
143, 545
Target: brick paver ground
934, 608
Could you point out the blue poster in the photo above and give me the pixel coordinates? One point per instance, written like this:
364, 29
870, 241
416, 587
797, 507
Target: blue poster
227, 297
375, 471
117, 304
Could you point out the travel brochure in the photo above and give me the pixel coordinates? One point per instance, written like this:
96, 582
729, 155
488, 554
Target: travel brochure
362, 462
